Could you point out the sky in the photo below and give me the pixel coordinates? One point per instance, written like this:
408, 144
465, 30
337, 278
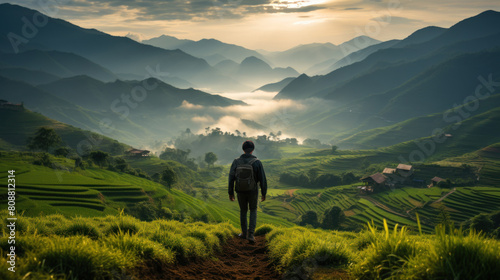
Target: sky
262, 24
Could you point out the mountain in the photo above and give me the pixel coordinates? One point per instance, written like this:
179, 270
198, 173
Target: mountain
413, 53
254, 71
24, 123
40, 101
297, 88
212, 50
305, 56
415, 128
422, 35
32, 77
276, 87
396, 84
99, 96
61, 64
119, 54
334, 64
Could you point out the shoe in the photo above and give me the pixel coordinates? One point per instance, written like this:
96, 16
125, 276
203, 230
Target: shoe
250, 238
242, 236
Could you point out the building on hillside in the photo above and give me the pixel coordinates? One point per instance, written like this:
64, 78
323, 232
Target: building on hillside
138, 153
435, 181
4, 104
405, 170
374, 182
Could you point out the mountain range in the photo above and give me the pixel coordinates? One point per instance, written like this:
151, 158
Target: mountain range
432, 70
366, 89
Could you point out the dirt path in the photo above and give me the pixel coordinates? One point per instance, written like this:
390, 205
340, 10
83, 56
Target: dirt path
238, 260
445, 196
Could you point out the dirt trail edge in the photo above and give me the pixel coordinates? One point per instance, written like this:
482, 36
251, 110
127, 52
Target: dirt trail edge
238, 260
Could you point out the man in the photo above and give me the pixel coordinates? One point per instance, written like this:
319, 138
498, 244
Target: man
246, 188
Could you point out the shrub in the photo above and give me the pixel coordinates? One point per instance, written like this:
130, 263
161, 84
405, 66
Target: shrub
302, 248
125, 224
140, 247
80, 227
263, 229
78, 257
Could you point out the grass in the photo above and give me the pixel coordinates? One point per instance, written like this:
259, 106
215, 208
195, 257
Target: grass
107, 247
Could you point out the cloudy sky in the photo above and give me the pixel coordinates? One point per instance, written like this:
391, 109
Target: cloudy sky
262, 24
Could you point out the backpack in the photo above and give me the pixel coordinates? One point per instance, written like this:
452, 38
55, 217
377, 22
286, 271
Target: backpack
245, 180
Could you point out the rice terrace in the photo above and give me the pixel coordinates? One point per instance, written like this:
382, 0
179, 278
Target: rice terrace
126, 129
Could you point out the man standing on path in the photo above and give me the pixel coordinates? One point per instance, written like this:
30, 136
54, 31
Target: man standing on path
246, 171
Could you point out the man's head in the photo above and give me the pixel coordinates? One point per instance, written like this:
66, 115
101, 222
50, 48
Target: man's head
248, 147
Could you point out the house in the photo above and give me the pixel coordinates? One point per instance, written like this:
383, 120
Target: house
4, 104
374, 182
405, 170
138, 153
435, 181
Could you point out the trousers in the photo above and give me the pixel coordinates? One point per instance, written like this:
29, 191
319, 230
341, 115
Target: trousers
247, 201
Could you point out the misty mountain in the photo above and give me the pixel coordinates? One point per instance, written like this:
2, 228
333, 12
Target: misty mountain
305, 56
49, 105
396, 84
23, 124
422, 35
119, 54
434, 90
254, 71
32, 77
418, 57
276, 87
334, 64
61, 64
214, 51
154, 96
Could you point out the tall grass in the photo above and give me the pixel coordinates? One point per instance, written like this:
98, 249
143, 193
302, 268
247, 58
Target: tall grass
387, 255
292, 249
457, 256
107, 247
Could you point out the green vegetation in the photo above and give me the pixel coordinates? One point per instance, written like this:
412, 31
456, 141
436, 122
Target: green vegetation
105, 247
388, 254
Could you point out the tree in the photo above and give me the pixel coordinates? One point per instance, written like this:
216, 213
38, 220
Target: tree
210, 158
169, 177
62, 151
313, 173
44, 139
334, 149
334, 217
309, 218
99, 157
348, 178
482, 222
121, 164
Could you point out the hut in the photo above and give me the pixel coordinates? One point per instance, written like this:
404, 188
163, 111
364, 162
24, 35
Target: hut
138, 153
435, 181
374, 182
405, 170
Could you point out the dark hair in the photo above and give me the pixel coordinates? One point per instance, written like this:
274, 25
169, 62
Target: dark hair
248, 146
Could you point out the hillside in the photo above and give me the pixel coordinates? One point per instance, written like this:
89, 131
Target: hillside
61, 64
413, 128
466, 30
23, 124
120, 55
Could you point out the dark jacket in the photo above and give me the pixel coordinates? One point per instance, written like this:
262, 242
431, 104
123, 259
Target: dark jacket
258, 170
